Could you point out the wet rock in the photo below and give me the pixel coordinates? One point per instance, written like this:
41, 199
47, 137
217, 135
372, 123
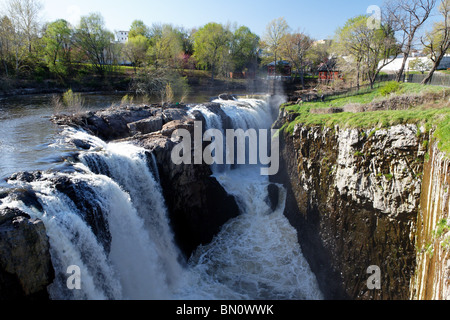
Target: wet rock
273, 196
111, 123
81, 144
26, 176
227, 96
173, 114
27, 196
84, 198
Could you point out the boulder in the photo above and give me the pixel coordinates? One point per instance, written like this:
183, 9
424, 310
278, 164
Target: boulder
227, 96
109, 124
145, 126
25, 263
273, 196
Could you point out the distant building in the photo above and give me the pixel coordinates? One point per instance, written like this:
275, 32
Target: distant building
284, 69
122, 36
329, 71
395, 65
322, 42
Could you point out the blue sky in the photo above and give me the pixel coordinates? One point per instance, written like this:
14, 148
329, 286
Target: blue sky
319, 19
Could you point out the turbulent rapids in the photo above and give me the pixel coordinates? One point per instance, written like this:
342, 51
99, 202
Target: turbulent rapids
126, 249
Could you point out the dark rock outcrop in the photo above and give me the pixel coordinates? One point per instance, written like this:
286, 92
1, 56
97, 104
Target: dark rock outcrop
227, 96
79, 192
273, 196
25, 263
115, 122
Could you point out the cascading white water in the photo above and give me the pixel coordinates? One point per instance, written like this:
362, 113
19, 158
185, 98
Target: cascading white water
255, 256
142, 262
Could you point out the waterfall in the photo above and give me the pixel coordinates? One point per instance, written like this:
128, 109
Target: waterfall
130, 253
143, 261
256, 255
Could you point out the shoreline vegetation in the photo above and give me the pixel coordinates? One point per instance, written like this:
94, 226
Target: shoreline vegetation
116, 82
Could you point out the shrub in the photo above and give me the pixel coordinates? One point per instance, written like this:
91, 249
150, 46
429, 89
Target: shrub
127, 99
70, 101
390, 87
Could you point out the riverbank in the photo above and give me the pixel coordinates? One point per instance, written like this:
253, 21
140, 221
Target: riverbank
114, 82
198, 81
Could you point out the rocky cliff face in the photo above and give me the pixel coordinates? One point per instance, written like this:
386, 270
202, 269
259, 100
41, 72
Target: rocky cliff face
354, 198
431, 279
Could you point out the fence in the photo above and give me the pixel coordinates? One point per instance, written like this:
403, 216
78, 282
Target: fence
438, 79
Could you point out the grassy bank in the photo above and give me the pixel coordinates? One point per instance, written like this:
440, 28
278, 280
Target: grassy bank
434, 114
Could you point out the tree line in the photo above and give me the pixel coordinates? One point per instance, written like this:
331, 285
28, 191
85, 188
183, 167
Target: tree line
160, 52
30, 47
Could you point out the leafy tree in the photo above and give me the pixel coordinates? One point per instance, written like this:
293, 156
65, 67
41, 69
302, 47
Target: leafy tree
167, 46
138, 28
244, 49
319, 52
437, 41
212, 46
14, 47
57, 47
94, 41
135, 50
368, 49
6, 43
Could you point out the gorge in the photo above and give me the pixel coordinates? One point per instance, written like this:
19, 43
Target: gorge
140, 226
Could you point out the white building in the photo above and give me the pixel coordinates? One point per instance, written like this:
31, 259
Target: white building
395, 65
122, 36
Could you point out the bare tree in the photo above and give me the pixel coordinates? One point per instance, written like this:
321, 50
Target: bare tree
24, 15
275, 31
295, 47
437, 41
409, 17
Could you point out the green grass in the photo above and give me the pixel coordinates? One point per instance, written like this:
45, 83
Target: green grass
437, 115
442, 227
